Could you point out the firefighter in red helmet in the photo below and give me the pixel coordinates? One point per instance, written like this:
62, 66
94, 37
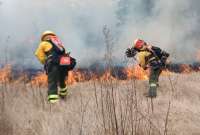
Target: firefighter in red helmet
149, 57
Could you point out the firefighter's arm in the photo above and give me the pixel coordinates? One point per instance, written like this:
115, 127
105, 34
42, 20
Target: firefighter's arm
40, 52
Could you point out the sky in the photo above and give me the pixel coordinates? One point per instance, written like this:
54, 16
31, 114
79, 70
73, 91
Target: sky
171, 25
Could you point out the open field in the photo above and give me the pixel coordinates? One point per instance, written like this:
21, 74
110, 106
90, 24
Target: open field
104, 108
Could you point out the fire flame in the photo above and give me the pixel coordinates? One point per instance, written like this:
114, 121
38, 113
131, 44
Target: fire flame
81, 75
166, 73
5, 74
40, 79
107, 76
75, 76
136, 72
185, 68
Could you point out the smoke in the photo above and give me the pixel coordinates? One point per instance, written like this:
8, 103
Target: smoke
171, 25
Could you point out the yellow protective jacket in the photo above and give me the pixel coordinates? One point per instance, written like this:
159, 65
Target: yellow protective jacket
43, 47
143, 57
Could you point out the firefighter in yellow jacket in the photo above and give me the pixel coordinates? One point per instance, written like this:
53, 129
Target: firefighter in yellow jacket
149, 57
51, 53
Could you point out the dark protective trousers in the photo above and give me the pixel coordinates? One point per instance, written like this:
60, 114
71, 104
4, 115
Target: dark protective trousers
153, 81
56, 76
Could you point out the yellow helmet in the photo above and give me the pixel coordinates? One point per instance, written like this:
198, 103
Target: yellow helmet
46, 33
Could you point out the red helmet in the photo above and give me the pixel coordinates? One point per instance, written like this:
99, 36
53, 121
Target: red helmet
138, 43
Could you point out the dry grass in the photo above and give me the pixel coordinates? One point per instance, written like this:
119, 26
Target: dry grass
104, 108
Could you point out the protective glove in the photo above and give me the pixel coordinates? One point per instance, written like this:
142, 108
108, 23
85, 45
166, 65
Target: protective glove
130, 52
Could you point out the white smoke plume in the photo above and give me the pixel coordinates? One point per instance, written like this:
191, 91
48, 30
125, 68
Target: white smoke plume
172, 25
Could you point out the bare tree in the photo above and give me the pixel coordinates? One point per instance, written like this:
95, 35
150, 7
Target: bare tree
109, 47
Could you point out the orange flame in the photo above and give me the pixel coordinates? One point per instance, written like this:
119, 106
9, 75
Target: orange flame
107, 76
75, 76
166, 73
136, 72
186, 68
81, 75
5, 74
40, 79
